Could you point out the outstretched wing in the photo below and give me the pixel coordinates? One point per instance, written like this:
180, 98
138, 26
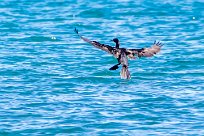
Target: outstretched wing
145, 52
98, 45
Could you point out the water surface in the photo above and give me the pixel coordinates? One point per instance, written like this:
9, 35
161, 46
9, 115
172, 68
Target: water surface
52, 83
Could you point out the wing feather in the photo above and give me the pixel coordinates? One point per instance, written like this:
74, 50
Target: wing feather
145, 52
149, 52
98, 45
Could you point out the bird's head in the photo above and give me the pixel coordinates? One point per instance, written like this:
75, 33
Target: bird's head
116, 40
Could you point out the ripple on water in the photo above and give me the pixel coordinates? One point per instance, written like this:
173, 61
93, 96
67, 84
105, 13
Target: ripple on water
52, 83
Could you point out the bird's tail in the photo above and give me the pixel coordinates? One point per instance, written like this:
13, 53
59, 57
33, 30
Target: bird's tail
125, 74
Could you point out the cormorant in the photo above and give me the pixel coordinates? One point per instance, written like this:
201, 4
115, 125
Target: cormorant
122, 54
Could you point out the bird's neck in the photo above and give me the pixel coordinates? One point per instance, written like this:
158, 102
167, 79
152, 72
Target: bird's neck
117, 45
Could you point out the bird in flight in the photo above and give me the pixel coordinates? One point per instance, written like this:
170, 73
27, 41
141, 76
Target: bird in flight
122, 54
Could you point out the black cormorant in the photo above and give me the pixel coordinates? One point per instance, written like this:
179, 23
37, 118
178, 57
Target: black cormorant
122, 54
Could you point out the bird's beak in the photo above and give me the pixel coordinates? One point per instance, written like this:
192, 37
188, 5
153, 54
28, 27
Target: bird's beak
111, 40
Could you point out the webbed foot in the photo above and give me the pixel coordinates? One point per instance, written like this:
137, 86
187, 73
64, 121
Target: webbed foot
114, 67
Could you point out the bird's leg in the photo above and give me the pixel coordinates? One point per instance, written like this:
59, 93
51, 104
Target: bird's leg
115, 67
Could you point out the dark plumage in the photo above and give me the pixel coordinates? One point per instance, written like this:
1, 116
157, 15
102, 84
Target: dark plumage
122, 54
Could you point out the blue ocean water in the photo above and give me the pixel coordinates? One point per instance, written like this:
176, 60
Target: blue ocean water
52, 83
